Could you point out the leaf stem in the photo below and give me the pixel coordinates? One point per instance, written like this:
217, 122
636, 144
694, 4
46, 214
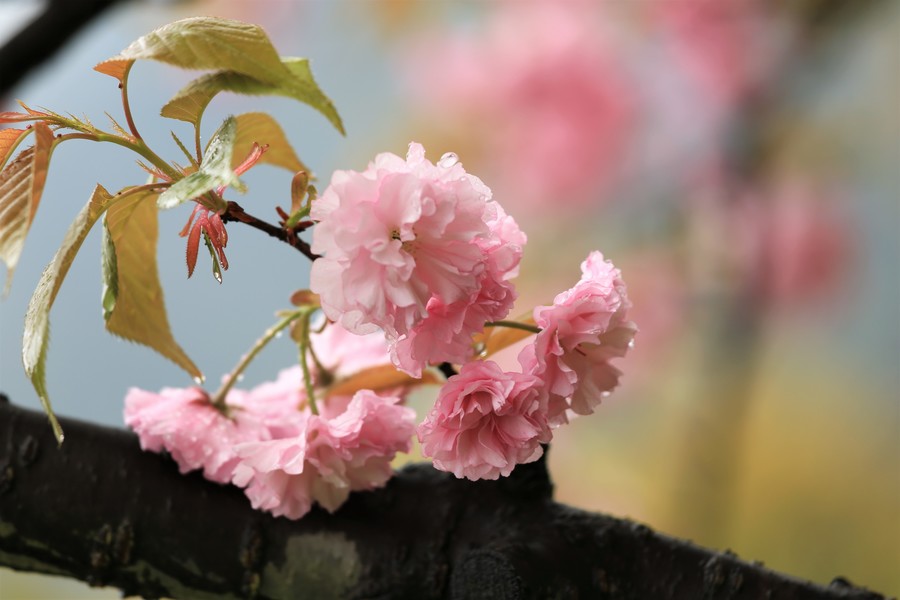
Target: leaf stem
125, 105
218, 399
514, 325
304, 365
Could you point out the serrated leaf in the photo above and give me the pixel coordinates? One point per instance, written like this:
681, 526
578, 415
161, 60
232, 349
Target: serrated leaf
261, 128
21, 186
37, 317
9, 139
296, 82
214, 172
379, 378
203, 43
133, 298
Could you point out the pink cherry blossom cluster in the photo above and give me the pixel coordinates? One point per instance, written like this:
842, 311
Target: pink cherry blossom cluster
271, 444
422, 251
416, 262
486, 421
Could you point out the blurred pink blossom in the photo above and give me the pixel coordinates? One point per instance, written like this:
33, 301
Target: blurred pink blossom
344, 353
485, 422
542, 86
727, 47
791, 242
414, 248
580, 333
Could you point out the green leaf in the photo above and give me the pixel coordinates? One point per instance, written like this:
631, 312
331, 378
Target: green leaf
133, 298
297, 82
37, 317
215, 170
21, 186
203, 43
263, 129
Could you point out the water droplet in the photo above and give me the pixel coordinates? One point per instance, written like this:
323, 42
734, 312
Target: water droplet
240, 377
605, 394
279, 334
448, 160
199, 380
218, 276
630, 344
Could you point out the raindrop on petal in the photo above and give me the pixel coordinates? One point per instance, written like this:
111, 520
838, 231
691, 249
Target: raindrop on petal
448, 160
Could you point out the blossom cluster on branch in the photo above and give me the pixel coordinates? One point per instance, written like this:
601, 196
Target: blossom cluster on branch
411, 284
415, 270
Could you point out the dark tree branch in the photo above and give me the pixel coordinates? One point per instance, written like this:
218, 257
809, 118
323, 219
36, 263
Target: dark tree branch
100, 510
40, 39
288, 236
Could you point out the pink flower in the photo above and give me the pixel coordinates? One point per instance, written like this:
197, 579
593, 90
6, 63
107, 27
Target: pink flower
325, 457
583, 329
485, 422
185, 424
414, 248
446, 334
344, 353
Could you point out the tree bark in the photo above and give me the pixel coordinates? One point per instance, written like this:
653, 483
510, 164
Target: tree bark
44, 36
101, 510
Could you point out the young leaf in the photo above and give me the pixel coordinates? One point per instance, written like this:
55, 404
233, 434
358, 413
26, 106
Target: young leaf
21, 185
377, 379
37, 318
263, 129
297, 82
203, 43
498, 338
9, 139
133, 298
214, 172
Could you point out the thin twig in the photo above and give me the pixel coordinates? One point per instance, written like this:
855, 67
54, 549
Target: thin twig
288, 236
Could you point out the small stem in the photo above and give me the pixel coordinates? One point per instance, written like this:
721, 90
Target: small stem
218, 399
514, 325
128, 118
236, 213
307, 377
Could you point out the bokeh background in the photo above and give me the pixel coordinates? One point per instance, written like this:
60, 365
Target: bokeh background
737, 159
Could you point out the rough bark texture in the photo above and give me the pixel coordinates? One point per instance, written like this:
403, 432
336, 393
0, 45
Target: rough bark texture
100, 510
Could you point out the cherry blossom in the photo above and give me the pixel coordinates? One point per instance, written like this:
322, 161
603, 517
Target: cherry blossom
322, 459
485, 422
415, 249
580, 333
